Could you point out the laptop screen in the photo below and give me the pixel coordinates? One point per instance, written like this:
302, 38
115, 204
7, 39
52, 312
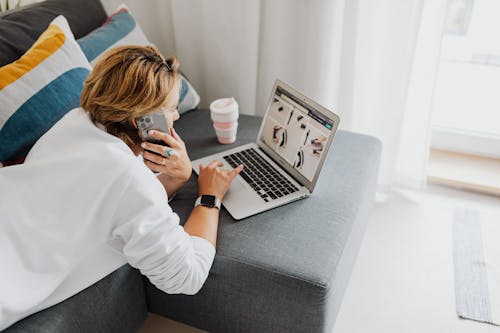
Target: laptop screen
297, 132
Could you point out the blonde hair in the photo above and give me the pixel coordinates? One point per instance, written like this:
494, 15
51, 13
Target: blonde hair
128, 82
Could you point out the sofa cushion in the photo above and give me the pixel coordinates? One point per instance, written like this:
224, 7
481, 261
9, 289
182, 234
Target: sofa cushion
286, 269
114, 304
21, 27
122, 29
39, 88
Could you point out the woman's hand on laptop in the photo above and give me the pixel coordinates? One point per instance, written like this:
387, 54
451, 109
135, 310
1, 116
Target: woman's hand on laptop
214, 180
171, 160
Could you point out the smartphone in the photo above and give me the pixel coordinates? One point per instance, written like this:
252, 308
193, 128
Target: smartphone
153, 121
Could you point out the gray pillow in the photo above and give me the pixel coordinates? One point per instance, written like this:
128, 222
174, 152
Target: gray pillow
20, 28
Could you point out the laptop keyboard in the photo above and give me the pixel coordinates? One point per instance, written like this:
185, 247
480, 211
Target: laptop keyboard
260, 175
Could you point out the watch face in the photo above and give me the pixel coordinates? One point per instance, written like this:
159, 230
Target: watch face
208, 200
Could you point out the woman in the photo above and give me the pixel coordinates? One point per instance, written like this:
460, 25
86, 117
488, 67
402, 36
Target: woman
83, 204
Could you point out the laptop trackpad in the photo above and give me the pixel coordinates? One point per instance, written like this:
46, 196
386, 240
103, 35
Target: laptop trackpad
233, 197
237, 185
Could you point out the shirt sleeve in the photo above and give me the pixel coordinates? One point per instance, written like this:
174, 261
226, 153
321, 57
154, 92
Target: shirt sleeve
155, 243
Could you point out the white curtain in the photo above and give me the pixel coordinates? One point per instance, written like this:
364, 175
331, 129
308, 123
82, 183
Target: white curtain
388, 77
371, 62
239, 48
416, 130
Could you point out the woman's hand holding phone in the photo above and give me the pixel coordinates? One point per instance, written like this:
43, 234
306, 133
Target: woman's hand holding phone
212, 179
177, 166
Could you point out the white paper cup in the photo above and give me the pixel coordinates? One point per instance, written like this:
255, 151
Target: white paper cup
224, 110
226, 135
224, 114
224, 125
230, 117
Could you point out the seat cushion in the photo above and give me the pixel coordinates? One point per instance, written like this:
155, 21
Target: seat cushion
284, 270
114, 304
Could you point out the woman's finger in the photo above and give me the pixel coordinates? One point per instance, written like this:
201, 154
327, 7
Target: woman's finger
159, 149
155, 158
162, 162
233, 173
215, 163
175, 135
178, 138
168, 139
153, 166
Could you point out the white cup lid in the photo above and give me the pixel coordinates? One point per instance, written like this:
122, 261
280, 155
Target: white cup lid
224, 105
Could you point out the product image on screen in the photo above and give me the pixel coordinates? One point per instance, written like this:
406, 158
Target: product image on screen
296, 132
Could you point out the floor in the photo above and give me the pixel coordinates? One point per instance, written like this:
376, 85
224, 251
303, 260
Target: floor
403, 278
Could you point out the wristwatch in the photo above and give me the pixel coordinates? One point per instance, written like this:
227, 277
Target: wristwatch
208, 201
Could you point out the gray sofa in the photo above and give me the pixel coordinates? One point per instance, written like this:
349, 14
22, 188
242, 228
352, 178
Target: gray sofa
284, 270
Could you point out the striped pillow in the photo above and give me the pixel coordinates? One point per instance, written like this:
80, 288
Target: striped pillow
122, 29
39, 88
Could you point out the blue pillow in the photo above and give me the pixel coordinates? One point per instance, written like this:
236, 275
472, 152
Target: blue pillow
122, 29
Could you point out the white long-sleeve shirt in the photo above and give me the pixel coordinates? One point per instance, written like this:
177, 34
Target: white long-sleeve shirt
81, 206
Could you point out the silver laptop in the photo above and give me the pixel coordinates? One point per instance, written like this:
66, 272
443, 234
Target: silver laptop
285, 162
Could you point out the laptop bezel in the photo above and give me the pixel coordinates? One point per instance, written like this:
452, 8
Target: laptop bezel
280, 160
